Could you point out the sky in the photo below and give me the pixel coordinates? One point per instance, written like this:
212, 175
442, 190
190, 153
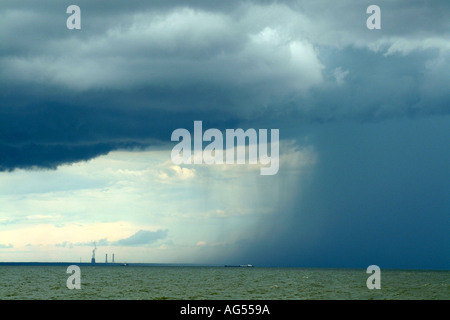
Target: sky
86, 118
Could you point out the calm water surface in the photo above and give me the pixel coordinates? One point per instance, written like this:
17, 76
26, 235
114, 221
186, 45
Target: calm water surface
218, 283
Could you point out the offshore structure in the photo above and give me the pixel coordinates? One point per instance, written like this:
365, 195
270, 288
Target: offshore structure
93, 254
106, 258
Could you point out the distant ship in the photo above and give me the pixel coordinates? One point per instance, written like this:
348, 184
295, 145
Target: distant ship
240, 266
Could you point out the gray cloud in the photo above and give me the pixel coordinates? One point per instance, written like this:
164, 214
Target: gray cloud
136, 72
140, 238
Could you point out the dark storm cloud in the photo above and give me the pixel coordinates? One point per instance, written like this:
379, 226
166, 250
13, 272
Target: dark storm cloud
68, 133
138, 70
159, 62
130, 77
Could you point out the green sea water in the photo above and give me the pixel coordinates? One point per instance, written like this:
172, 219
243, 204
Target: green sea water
218, 283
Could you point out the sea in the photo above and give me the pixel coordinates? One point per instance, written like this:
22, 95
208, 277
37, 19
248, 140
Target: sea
19, 282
